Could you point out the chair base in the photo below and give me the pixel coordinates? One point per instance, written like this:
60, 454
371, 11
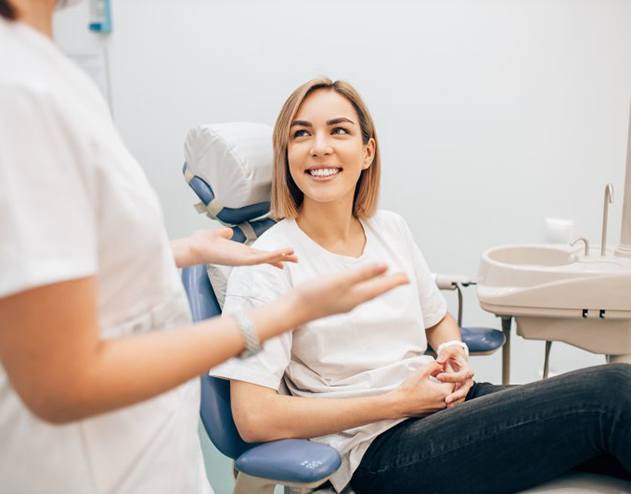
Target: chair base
246, 484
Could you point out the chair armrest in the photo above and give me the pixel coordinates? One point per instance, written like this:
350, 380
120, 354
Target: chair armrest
290, 460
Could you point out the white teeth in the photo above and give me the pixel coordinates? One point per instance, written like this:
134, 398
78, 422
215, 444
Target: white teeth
324, 172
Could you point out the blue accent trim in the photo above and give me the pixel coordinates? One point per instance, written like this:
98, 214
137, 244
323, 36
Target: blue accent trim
231, 216
290, 460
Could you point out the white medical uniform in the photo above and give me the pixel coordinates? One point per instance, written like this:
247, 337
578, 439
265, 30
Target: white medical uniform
369, 351
75, 203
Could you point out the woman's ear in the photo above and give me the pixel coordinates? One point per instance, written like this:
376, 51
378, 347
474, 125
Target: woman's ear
369, 153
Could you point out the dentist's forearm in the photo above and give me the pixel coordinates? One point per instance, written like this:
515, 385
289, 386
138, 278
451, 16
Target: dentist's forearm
128, 370
63, 370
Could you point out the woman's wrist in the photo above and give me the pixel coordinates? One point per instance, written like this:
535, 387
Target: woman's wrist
392, 404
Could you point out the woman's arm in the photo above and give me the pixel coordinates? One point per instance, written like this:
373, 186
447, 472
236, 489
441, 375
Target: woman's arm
51, 348
261, 414
445, 330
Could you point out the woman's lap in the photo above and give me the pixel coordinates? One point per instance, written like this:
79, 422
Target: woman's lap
504, 439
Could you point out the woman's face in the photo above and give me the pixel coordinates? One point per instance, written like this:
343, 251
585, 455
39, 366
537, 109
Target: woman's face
325, 152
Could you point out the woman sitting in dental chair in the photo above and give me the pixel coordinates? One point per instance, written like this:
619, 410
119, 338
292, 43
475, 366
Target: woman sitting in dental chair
360, 382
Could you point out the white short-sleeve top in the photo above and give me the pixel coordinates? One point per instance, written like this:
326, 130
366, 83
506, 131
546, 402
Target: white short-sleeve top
369, 351
75, 203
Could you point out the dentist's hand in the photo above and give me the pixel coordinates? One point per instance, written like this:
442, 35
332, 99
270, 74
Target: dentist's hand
341, 293
215, 247
420, 394
457, 371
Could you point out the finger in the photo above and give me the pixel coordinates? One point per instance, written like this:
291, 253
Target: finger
261, 256
368, 290
456, 402
455, 377
226, 233
458, 395
451, 352
287, 251
430, 369
364, 273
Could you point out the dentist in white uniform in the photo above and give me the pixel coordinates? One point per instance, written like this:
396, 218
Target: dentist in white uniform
99, 360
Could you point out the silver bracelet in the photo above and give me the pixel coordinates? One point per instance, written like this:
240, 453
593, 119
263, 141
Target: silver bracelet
250, 338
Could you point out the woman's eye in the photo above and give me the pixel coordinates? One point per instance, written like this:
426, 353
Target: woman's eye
340, 131
300, 133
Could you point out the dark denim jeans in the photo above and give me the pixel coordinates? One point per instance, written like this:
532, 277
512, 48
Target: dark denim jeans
508, 438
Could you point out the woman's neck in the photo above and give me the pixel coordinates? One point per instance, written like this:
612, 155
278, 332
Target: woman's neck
37, 14
333, 226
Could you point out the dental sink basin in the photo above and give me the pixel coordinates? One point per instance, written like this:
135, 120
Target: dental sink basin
557, 293
535, 255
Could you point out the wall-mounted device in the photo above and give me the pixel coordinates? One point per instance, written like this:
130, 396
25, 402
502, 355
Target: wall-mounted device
100, 16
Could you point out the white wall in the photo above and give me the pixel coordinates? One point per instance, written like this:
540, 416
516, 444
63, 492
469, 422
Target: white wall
492, 115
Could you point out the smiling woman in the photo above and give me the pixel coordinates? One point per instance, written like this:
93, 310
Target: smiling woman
306, 144
402, 422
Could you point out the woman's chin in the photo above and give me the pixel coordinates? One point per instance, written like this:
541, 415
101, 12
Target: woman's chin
325, 197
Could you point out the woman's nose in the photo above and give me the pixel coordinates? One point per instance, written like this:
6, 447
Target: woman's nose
321, 145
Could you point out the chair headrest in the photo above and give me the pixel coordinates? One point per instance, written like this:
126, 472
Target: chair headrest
229, 166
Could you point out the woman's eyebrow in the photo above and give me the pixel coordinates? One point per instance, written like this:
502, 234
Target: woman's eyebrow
302, 123
333, 121
339, 120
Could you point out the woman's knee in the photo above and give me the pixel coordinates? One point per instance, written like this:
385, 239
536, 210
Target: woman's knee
614, 380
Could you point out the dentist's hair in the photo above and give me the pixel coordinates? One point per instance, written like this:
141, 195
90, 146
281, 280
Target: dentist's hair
7, 10
286, 196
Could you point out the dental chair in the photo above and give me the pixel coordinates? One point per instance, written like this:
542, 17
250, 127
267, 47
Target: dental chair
237, 160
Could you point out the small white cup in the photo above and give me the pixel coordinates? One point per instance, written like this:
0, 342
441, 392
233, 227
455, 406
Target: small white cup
559, 230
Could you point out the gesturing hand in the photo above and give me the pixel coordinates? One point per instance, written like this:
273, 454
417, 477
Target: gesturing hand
215, 247
342, 292
457, 371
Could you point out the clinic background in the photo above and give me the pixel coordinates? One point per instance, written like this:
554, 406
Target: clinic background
492, 115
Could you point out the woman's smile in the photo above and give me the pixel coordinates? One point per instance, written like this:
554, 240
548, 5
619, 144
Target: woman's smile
324, 173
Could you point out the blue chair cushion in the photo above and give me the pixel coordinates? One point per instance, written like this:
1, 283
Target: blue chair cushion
482, 340
290, 460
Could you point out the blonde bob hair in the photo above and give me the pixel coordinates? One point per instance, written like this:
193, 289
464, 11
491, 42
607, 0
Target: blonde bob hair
286, 196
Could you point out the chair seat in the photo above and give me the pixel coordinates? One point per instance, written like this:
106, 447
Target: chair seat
482, 340
290, 460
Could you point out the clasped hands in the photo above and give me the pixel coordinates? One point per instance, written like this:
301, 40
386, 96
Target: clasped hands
441, 384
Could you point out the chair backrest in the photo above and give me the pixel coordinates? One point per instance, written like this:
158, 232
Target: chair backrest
229, 167
215, 410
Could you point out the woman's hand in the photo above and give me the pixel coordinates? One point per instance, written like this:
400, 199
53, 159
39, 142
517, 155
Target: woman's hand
421, 394
457, 371
215, 247
343, 292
